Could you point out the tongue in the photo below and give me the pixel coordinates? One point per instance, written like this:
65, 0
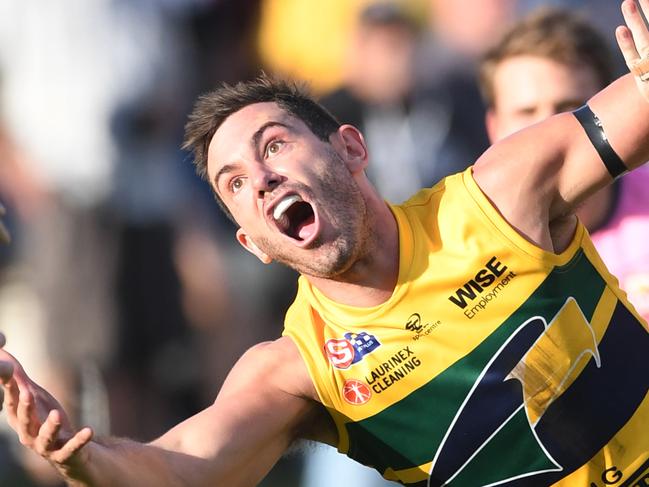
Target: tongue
306, 228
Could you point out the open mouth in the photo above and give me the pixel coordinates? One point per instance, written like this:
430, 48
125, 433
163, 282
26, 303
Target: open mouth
295, 218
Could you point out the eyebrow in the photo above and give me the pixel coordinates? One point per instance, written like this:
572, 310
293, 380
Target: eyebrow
255, 140
223, 171
256, 137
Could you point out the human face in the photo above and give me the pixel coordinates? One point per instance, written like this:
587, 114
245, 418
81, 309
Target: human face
528, 89
381, 62
295, 197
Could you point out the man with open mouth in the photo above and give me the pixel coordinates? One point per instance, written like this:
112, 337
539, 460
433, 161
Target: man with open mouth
469, 336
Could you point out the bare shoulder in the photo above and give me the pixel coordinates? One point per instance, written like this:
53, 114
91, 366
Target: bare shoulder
524, 177
275, 370
277, 363
529, 158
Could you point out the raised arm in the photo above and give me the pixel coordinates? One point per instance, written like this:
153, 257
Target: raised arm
537, 176
259, 412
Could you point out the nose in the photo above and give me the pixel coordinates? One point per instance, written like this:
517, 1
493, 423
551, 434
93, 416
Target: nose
264, 179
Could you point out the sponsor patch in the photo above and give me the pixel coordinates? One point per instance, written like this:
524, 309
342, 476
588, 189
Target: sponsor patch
480, 287
418, 327
344, 352
356, 392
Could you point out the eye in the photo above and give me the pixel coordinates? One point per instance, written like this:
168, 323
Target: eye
236, 184
273, 147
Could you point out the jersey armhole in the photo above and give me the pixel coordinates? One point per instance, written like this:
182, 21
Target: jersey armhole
510, 235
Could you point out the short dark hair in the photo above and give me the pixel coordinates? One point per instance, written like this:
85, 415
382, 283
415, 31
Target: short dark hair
552, 33
211, 110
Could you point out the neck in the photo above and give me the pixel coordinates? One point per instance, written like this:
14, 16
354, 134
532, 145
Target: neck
371, 279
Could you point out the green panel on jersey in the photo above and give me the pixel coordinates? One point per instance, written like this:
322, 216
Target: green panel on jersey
435, 404
490, 465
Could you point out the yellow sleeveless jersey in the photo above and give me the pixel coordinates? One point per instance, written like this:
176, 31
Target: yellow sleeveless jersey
493, 362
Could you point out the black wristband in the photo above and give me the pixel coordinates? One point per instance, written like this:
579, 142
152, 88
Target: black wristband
597, 137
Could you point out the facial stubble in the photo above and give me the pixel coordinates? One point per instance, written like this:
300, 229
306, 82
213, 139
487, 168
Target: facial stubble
340, 201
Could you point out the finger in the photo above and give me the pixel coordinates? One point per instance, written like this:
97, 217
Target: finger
6, 371
72, 446
18, 371
27, 426
635, 23
626, 45
11, 400
48, 433
11, 397
23, 412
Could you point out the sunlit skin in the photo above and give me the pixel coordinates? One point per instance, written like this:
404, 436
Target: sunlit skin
261, 154
529, 89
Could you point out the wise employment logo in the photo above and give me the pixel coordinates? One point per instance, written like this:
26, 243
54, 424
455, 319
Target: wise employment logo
344, 352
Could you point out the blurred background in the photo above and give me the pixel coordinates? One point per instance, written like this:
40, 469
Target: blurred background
124, 291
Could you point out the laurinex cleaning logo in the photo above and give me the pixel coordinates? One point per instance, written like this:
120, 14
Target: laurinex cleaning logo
356, 392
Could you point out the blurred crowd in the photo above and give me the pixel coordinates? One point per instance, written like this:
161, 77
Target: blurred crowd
124, 291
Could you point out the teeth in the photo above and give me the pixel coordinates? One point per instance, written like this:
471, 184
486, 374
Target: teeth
284, 204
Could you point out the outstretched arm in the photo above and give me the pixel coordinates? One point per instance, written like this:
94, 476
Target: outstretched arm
233, 442
539, 175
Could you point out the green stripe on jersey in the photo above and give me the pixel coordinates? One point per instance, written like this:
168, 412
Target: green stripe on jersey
408, 433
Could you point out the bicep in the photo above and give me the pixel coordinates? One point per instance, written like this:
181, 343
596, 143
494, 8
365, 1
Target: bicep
540, 173
245, 431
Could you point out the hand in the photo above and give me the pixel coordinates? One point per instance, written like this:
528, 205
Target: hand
633, 39
37, 418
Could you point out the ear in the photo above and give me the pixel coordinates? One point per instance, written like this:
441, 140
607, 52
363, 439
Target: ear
247, 243
350, 144
491, 122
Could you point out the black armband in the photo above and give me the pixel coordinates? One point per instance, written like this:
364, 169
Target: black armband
597, 137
